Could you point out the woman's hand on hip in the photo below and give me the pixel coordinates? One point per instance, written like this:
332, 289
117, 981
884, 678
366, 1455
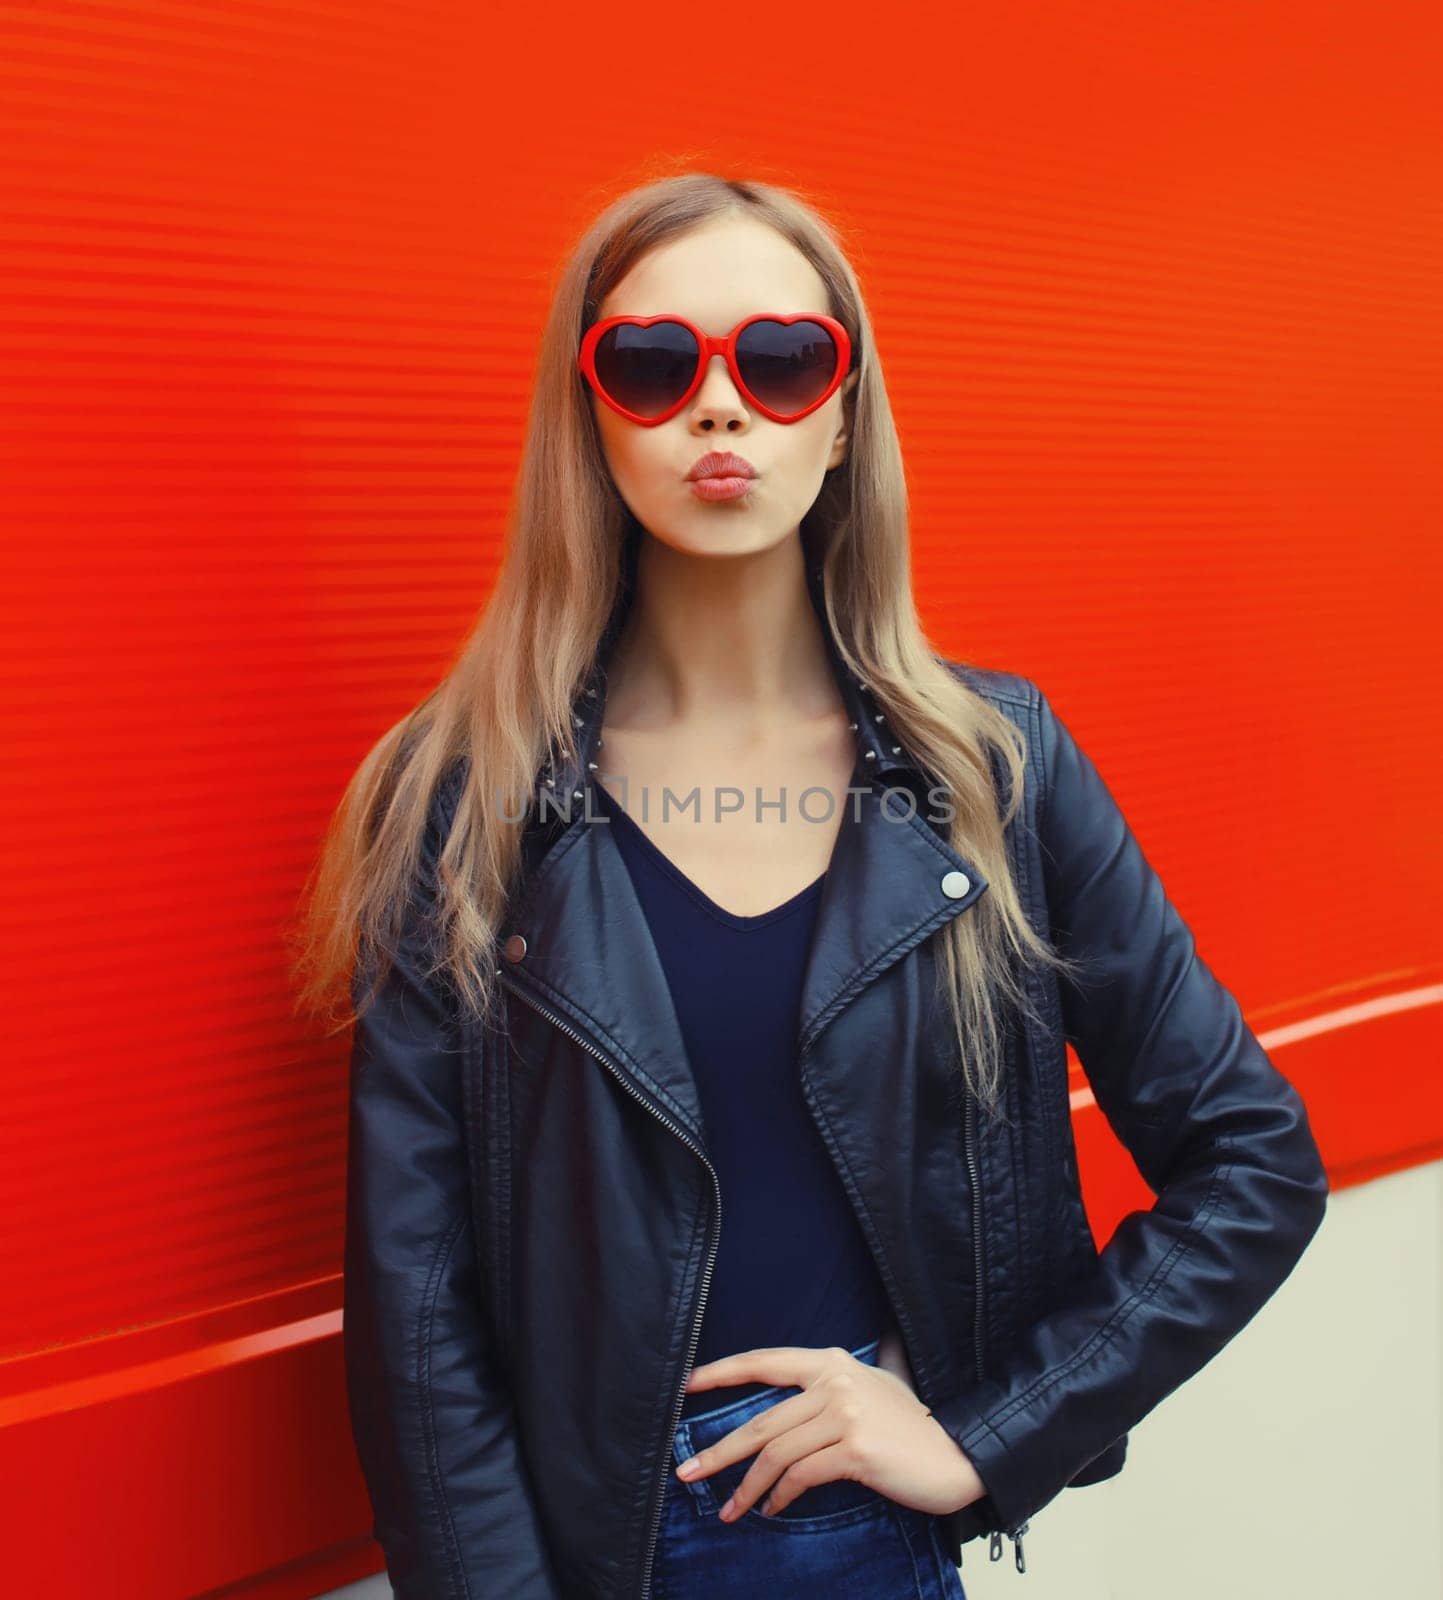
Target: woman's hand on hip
851, 1420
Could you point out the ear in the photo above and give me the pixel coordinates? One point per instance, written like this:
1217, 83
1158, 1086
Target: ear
844, 421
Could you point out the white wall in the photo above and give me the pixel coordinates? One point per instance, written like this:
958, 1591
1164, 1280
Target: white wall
1305, 1460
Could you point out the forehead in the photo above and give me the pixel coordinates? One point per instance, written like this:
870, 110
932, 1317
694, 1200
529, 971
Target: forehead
718, 273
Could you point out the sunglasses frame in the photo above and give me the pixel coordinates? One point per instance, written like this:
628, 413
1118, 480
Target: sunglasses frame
710, 345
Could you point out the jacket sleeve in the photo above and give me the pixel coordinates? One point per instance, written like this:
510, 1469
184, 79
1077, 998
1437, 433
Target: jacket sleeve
1219, 1134
433, 1423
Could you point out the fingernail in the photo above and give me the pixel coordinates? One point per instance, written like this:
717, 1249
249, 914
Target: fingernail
687, 1467
726, 1510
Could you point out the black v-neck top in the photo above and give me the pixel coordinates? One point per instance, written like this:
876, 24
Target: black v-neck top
792, 1267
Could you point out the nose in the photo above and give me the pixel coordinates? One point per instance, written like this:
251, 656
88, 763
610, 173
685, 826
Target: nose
718, 399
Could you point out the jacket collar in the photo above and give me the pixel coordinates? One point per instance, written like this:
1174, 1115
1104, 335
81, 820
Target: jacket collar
578, 944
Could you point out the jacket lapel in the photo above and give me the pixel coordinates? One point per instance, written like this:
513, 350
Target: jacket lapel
891, 882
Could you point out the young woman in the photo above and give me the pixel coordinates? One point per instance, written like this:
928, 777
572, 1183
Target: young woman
713, 945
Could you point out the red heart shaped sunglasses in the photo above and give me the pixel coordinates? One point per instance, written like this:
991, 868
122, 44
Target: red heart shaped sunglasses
647, 368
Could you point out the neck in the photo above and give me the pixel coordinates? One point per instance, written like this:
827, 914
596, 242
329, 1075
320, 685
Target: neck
734, 640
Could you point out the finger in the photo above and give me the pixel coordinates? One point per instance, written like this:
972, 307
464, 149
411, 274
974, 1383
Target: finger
827, 1465
785, 1366
839, 1418
779, 1456
748, 1437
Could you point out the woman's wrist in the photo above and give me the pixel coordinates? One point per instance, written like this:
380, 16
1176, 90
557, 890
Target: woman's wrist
968, 1485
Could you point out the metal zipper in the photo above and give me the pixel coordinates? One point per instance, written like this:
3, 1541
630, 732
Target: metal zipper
866, 1231
904, 1327
1016, 1537
968, 1143
713, 1242
969, 1135
902, 1324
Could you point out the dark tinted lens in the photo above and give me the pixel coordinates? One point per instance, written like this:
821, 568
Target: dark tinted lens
786, 365
647, 370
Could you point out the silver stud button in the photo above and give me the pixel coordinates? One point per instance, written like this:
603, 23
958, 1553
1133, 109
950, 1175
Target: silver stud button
955, 884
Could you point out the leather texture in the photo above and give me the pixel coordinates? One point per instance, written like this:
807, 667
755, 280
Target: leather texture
531, 1218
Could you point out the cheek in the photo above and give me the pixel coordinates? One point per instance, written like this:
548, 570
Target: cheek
641, 478
635, 456
809, 448
822, 428
621, 463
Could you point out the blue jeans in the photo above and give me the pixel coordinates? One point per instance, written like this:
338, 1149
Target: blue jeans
841, 1540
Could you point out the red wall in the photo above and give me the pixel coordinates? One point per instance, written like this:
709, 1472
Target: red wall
1157, 292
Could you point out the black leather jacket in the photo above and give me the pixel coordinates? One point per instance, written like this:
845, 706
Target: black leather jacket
532, 1219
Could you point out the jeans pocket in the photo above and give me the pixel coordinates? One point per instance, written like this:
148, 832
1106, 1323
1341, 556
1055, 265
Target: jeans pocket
823, 1507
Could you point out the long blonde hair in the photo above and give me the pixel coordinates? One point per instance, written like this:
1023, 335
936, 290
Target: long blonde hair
506, 703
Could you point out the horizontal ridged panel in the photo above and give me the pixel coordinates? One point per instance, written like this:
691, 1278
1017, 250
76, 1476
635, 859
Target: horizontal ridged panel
1157, 296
